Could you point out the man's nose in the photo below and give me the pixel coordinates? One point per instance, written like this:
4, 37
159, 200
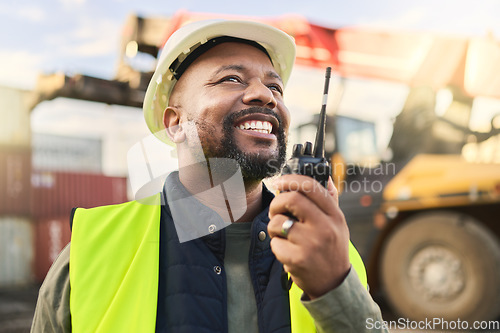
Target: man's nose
259, 94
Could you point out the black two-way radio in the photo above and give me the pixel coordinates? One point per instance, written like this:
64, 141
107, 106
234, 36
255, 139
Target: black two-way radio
304, 160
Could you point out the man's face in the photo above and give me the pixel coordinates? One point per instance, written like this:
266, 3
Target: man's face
235, 97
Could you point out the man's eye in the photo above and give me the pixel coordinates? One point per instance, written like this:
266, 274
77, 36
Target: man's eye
231, 79
276, 88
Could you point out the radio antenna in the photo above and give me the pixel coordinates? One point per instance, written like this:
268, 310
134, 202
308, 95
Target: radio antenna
319, 144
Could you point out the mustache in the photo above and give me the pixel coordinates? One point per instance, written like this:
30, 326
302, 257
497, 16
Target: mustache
230, 118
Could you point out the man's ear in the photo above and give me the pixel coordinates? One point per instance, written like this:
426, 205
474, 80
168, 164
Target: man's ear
173, 126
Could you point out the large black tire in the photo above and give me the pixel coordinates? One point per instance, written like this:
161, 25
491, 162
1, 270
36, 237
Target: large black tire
442, 265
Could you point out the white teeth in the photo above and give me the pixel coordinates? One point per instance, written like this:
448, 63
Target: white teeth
258, 126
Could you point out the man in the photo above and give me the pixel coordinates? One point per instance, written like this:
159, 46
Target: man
218, 84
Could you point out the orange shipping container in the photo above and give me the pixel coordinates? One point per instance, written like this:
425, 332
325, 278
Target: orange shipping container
56, 193
51, 236
15, 183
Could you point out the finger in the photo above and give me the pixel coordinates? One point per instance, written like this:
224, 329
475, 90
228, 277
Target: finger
333, 190
295, 233
286, 252
307, 186
297, 205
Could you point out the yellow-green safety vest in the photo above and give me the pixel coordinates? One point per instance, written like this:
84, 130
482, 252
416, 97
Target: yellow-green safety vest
108, 290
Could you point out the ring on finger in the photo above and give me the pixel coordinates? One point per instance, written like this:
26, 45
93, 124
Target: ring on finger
286, 226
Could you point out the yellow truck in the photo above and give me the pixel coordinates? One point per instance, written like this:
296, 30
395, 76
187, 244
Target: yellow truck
426, 221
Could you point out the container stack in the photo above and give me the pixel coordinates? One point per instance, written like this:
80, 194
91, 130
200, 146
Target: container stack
16, 232
42, 177
67, 173
54, 194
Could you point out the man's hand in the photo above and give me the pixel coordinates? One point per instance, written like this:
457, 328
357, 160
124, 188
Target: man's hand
316, 250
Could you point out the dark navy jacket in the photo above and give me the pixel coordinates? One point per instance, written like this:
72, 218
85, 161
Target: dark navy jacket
192, 293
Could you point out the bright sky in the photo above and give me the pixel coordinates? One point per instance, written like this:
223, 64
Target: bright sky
82, 36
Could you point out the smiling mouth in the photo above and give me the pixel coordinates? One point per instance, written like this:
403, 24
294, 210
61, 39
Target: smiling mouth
256, 126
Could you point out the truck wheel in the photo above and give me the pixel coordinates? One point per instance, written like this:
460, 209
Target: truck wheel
442, 265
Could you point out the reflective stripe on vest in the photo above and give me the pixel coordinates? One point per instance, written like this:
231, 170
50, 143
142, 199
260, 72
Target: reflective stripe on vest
114, 249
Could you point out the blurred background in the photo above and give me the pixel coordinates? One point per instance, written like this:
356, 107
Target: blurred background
413, 133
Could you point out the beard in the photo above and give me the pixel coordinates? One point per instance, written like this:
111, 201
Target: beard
254, 166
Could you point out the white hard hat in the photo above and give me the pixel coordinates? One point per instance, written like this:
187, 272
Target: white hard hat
280, 48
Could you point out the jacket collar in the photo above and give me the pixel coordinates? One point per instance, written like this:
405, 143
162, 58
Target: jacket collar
193, 220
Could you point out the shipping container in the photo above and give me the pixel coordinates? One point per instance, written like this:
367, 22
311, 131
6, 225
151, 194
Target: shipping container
56, 193
51, 236
15, 128
15, 181
65, 153
16, 251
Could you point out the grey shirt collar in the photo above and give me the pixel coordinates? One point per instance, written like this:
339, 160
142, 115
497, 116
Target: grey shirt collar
192, 219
